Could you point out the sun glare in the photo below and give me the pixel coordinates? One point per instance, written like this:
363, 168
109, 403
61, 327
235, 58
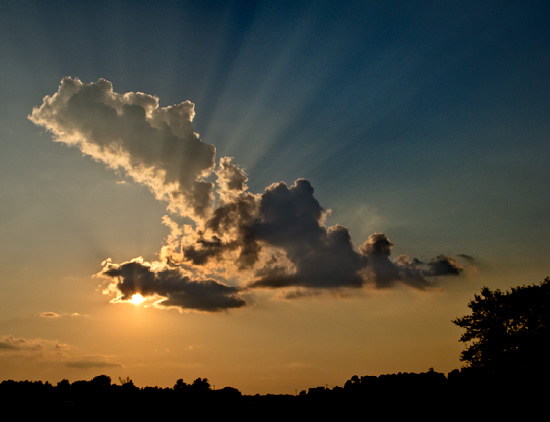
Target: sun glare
136, 299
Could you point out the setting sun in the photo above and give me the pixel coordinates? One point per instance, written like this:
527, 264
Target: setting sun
136, 299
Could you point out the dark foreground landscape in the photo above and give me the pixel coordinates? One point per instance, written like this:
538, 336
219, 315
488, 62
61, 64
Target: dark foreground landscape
460, 394
506, 375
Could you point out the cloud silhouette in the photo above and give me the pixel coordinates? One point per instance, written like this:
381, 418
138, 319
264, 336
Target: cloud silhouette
174, 288
443, 265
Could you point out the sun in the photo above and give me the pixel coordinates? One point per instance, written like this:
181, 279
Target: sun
136, 299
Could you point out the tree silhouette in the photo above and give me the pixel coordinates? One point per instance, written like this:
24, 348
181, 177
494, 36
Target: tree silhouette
102, 381
508, 332
201, 384
181, 385
126, 381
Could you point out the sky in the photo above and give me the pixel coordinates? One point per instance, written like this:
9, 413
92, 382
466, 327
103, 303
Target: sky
299, 191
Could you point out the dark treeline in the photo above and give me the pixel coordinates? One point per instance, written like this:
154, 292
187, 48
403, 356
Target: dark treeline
430, 393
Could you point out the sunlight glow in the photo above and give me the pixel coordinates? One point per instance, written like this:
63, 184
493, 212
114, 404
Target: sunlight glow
136, 299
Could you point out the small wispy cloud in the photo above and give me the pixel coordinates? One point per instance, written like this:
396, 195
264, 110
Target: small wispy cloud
15, 349
33, 345
49, 315
92, 362
53, 315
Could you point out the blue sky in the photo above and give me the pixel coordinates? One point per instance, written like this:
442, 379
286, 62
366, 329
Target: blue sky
426, 121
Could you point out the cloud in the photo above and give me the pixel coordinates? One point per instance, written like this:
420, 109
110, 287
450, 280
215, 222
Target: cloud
175, 288
34, 345
274, 240
76, 314
156, 146
385, 272
49, 315
291, 218
443, 265
91, 362
18, 349
12, 343
287, 225
468, 258
231, 179
55, 315
381, 270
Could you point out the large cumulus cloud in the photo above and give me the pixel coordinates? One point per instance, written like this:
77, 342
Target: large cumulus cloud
277, 239
291, 221
156, 146
290, 218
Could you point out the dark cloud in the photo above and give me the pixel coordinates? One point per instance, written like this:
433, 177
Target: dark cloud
232, 220
381, 270
385, 272
91, 362
8, 342
301, 293
411, 273
443, 265
203, 250
331, 263
49, 315
468, 258
175, 288
292, 219
232, 216
13, 343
